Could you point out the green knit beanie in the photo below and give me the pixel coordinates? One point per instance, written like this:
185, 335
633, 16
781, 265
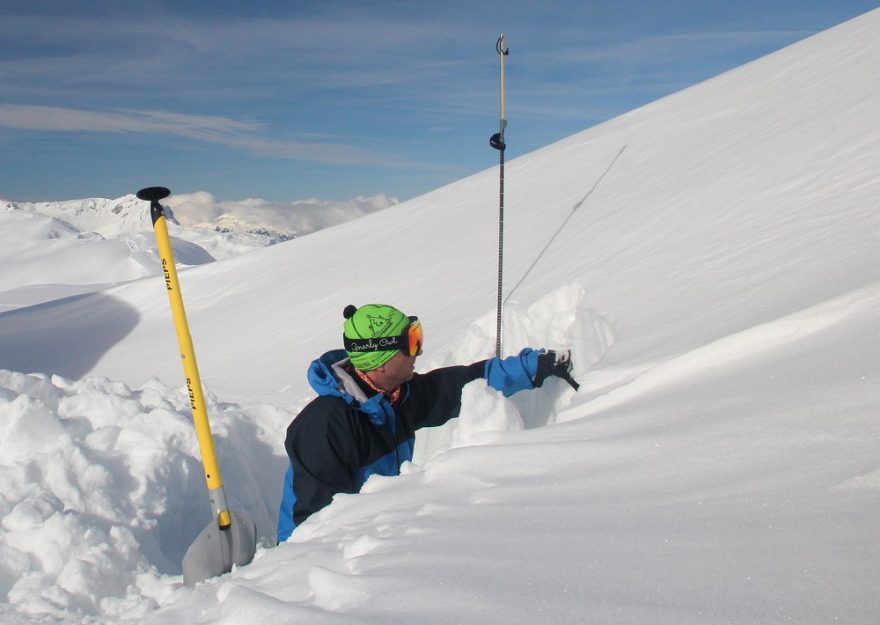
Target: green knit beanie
372, 321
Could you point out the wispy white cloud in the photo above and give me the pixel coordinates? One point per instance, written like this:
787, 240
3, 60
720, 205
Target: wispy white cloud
310, 50
53, 118
245, 135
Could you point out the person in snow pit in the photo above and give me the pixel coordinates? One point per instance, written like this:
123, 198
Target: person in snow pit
371, 402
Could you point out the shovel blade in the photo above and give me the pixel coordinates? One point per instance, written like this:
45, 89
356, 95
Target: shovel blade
215, 550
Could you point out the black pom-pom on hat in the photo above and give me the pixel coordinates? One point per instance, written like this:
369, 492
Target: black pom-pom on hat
349, 311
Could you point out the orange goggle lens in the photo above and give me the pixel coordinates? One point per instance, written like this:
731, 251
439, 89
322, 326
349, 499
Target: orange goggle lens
414, 338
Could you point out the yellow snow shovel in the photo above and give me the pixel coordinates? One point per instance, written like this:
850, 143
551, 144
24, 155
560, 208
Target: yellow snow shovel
231, 538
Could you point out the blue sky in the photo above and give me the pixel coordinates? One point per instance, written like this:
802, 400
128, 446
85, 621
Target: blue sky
331, 100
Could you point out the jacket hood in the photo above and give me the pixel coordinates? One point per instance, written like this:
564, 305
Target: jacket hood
328, 377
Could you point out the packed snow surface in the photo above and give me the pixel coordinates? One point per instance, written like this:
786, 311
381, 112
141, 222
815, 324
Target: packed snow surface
710, 260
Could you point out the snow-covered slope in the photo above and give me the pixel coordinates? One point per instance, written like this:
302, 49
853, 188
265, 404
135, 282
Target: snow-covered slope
710, 258
52, 250
96, 243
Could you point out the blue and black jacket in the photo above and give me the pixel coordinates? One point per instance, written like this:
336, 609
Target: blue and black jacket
350, 432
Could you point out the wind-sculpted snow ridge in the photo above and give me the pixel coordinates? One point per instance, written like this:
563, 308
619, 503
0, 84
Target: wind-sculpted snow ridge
84, 246
44, 258
741, 350
103, 490
48, 257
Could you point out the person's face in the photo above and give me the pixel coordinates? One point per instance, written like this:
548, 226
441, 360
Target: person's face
399, 369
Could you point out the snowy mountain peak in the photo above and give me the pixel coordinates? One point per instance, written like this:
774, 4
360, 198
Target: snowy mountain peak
104, 216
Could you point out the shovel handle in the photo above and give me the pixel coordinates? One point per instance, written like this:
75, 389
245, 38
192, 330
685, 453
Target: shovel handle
188, 357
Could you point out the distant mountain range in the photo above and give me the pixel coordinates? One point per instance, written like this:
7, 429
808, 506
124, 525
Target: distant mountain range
223, 228
129, 215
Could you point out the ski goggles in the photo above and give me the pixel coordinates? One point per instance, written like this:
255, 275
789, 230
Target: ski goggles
409, 341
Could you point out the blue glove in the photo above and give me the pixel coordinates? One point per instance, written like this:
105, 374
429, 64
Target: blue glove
514, 373
528, 369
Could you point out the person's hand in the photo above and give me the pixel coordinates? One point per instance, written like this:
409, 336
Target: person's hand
555, 364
